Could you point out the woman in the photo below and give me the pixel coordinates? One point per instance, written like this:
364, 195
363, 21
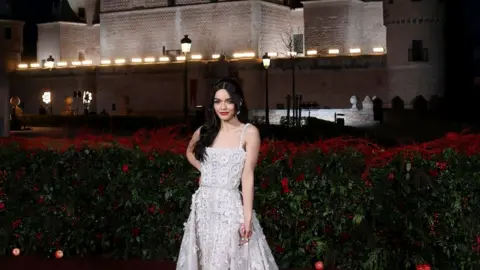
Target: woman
222, 233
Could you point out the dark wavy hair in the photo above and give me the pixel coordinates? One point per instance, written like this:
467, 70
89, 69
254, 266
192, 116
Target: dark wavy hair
211, 127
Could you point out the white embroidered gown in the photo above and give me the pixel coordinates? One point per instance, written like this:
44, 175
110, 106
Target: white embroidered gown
211, 238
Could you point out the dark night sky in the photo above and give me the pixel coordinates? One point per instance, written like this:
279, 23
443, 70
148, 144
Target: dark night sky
40, 11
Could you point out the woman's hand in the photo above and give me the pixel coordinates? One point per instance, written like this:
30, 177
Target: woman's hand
245, 232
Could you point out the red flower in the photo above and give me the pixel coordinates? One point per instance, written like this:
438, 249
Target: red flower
318, 170
2, 206
151, 209
16, 223
423, 267
441, 165
38, 236
40, 199
300, 177
279, 249
125, 168
433, 173
161, 211
365, 175
284, 183
391, 176
452, 136
135, 232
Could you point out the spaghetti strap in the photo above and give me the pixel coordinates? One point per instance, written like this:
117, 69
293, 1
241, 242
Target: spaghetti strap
242, 135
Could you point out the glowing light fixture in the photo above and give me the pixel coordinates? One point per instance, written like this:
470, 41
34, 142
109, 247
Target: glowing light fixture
312, 52
105, 62
186, 44
333, 51
50, 63
266, 61
22, 66
196, 57
244, 55
378, 50
47, 97
120, 61
355, 50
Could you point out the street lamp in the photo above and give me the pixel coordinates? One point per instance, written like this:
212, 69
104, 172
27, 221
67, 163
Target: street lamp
266, 65
50, 63
186, 46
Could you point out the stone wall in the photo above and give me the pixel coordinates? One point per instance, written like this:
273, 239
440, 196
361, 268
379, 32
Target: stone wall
223, 27
275, 27
68, 41
48, 42
216, 27
343, 25
374, 31
11, 49
423, 21
158, 89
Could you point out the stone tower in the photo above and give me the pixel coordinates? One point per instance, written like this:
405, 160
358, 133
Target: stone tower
11, 37
416, 48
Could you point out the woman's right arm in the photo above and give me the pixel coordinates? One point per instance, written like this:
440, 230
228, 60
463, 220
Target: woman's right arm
190, 155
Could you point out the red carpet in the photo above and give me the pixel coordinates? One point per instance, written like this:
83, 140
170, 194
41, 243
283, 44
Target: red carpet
33, 263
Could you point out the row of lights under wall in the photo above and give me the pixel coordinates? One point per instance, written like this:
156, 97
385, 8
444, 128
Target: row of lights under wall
166, 59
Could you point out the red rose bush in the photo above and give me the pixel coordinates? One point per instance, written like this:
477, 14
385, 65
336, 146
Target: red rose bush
347, 203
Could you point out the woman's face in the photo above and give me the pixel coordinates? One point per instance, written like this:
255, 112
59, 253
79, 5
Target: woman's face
223, 105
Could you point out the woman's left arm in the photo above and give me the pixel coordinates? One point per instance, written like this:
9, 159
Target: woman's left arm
252, 145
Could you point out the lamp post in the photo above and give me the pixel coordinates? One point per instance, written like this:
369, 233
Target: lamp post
266, 65
50, 63
186, 46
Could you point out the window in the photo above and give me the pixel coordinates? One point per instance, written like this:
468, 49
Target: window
81, 13
8, 33
417, 53
298, 43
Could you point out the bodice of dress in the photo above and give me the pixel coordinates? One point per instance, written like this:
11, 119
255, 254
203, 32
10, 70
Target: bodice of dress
223, 168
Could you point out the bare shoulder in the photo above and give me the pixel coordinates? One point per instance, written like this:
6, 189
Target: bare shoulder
251, 132
196, 134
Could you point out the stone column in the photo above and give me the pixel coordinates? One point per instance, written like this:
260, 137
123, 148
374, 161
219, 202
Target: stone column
4, 106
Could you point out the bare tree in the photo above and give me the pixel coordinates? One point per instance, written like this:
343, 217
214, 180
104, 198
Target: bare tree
292, 44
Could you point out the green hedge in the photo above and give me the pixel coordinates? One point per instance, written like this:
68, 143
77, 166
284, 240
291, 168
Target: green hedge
352, 207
